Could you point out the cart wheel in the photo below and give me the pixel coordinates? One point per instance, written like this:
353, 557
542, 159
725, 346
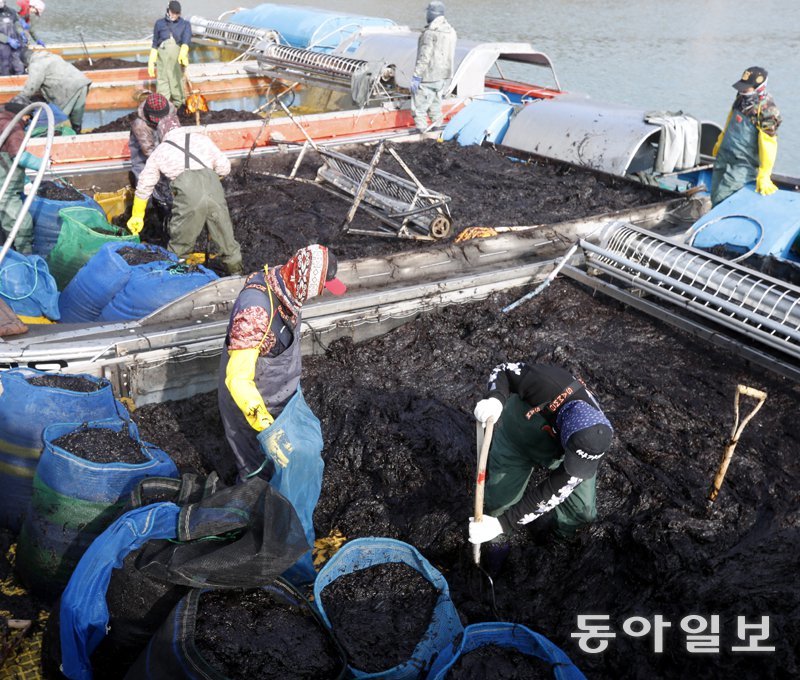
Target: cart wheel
441, 226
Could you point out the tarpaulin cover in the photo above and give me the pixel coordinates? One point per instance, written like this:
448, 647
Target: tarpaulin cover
510, 635
25, 411
308, 27
445, 625
294, 444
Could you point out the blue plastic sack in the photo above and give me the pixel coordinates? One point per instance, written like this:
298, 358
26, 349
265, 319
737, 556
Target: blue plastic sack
74, 500
25, 411
510, 635
151, 286
27, 286
47, 222
84, 611
294, 444
100, 279
445, 625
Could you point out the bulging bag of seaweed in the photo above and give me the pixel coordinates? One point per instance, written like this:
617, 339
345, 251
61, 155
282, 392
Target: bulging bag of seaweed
389, 608
31, 400
269, 633
503, 651
82, 483
133, 573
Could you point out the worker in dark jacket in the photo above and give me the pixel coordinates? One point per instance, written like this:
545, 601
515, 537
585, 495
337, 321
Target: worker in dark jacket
270, 428
548, 419
11, 41
11, 202
172, 36
746, 149
143, 140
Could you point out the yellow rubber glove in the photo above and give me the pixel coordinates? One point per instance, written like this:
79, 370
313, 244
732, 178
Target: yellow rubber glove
136, 222
722, 134
183, 55
151, 63
767, 151
240, 381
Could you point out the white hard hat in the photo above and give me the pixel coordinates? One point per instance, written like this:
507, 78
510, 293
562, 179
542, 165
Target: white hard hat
38, 5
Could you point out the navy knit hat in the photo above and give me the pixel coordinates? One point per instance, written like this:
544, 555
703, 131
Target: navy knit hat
174, 7
585, 435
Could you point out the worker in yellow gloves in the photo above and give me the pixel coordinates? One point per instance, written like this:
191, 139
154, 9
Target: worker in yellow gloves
261, 361
746, 149
172, 36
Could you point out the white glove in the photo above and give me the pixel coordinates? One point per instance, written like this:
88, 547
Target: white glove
485, 530
488, 409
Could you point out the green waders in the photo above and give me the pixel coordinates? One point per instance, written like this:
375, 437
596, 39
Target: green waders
520, 444
737, 159
75, 107
199, 200
169, 81
11, 206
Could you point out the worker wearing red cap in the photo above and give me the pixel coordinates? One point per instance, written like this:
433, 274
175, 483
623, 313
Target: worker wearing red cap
260, 401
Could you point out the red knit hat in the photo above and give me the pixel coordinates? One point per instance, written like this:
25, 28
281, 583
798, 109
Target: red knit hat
156, 106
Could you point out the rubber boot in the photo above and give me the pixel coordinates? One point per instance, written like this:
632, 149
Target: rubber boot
235, 269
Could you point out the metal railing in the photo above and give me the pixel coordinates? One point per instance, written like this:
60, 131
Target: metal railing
35, 110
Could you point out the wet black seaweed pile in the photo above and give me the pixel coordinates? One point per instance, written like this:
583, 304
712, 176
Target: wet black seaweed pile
102, 445
400, 452
61, 381
379, 614
499, 663
56, 191
136, 256
274, 217
248, 634
123, 123
105, 63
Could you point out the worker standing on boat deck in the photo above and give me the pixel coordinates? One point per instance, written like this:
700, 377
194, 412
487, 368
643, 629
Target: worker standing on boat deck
545, 418
142, 142
259, 391
59, 82
193, 164
172, 35
11, 41
433, 70
745, 150
28, 10
11, 202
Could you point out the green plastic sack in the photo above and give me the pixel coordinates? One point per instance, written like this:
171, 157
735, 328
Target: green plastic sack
83, 232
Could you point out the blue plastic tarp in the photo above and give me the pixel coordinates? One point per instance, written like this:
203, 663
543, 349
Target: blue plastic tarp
84, 612
767, 225
306, 27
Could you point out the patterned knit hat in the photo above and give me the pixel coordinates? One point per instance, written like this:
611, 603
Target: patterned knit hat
156, 106
585, 435
306, 274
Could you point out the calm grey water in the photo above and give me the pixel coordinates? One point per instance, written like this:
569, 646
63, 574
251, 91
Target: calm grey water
654, 54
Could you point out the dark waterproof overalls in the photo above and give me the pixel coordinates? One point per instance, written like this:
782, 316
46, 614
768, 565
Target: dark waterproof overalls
276, 378
737, 159
518, 446
198, 201
10, 59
